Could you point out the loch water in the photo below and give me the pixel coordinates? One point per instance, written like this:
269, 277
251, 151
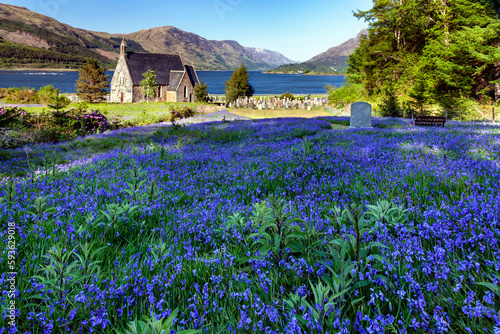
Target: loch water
263, 83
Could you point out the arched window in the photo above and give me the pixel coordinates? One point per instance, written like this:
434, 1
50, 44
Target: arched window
185, 91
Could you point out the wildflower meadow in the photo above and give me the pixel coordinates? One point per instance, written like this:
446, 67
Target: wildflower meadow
257, 226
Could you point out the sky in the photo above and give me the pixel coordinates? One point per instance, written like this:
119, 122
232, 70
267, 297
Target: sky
298, 29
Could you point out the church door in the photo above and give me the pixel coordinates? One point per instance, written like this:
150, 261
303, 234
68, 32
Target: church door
122, 98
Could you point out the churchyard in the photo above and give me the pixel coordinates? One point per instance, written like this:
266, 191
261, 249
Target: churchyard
272, 225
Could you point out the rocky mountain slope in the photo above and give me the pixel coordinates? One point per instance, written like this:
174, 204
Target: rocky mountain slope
332, 60
29, 39
203, 53
337, 55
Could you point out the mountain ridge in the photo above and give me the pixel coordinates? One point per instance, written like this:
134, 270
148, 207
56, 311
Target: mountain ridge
333, 60
43, 41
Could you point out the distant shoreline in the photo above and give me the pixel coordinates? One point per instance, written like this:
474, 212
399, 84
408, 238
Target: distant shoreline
76, 70
317, 74
39, 69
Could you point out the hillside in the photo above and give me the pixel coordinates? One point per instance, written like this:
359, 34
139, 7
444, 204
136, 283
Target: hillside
203, 53
29, 39
333, 60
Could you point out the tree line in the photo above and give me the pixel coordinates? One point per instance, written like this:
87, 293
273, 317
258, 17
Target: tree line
430, 51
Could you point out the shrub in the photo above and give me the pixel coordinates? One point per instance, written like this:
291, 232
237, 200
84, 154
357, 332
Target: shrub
3, 93
462, 109
46, 93
52, 135
287, 95
89, 122
14, 117
80, 122
343, 96
21, 95
180, 113
14, 138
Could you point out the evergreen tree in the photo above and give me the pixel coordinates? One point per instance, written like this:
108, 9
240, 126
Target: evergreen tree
419, 93
451, 44
201, 92
92, 84
238, 85
148, 84
390, 106
58, 101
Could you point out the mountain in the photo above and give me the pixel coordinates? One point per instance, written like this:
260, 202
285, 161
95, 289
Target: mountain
203, 53
29, 39
337, 55
332, 60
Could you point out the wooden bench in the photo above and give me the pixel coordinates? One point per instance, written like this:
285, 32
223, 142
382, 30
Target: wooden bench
430, 121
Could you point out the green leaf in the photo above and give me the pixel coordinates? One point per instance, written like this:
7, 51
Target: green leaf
360, 284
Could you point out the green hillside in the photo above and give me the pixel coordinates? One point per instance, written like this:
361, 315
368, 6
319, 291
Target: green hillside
14, 55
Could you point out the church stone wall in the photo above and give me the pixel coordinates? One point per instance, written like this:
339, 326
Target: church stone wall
171, 96
188, 94
121, 84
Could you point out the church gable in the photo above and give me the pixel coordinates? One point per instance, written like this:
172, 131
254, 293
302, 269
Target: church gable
121, 83
193, 77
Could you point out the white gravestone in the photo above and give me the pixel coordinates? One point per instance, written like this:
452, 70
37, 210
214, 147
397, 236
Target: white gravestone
361, 115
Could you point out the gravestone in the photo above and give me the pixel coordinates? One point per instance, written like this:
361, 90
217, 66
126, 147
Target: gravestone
361, 115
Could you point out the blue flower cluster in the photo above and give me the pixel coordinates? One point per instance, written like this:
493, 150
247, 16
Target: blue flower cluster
264, 226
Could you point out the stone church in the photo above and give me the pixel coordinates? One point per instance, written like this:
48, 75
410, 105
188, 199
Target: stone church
175, 81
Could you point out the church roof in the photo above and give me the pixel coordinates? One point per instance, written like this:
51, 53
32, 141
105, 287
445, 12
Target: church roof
139, 63
193, 77
175, 80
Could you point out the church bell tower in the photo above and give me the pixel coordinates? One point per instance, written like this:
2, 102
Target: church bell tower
123, 48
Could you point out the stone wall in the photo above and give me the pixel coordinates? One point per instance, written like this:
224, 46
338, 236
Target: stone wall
185, 95
121, 84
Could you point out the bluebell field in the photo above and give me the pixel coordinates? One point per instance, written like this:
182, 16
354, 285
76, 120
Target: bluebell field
263, 226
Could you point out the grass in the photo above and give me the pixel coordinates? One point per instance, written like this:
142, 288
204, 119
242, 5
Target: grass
261, 114
133, 114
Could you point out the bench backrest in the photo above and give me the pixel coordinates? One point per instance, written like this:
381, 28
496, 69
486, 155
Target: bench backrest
430, 121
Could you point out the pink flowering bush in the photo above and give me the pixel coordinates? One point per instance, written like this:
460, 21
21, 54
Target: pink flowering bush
20, 127
14, 117
80, 122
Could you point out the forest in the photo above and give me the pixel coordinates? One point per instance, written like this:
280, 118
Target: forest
444, 52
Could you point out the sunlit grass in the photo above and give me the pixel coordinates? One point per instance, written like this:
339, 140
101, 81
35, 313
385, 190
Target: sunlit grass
280, 113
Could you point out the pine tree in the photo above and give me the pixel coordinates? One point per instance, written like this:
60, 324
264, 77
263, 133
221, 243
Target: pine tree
238, 85
419, 93
453, 42
92, 84
201, 92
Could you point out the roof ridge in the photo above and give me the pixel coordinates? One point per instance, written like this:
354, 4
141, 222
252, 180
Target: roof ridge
155, 53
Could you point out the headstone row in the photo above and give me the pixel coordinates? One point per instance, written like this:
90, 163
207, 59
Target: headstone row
276, 103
